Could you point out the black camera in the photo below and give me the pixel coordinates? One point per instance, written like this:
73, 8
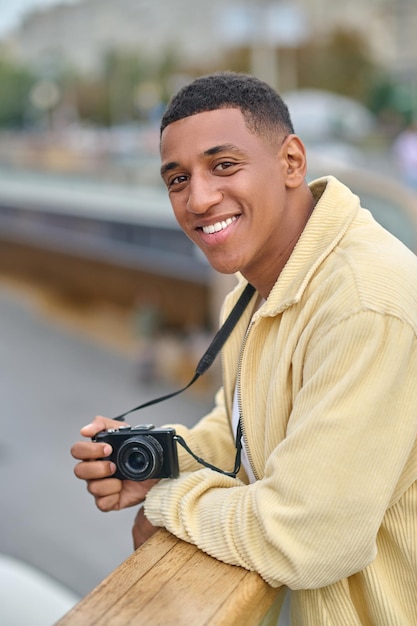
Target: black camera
142, 452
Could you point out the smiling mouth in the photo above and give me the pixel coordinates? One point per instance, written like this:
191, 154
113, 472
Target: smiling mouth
218, 226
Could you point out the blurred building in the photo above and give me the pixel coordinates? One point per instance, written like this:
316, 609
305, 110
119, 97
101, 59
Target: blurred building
78, 34
388, 26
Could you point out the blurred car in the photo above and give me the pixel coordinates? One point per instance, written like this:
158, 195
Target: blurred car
320, 115
391, 203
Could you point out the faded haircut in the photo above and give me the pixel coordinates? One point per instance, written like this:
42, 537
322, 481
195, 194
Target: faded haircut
264, 111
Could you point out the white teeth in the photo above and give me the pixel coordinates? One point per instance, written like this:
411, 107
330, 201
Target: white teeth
218, 226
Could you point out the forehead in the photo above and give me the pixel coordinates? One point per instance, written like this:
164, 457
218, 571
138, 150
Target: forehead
203, 131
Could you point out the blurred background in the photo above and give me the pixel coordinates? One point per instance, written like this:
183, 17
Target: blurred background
103, 301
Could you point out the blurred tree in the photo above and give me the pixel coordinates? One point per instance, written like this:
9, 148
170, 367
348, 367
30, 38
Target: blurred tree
237, 59
108, 99
382, 93
92, 101
168, 66
341, 64
123, 71
15, 85
129, 87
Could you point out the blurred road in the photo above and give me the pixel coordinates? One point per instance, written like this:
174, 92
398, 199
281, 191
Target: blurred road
52, 382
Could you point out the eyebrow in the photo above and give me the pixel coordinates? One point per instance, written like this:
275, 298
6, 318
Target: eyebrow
168, 167
225, 147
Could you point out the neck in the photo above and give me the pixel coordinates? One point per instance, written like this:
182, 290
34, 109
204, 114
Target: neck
264, 281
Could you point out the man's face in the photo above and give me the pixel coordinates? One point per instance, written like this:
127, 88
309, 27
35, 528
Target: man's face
227, 189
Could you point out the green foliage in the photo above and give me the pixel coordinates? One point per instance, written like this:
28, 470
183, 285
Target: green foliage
131, 86
341, 64
124, 88
382, 95
15, 85
120, 93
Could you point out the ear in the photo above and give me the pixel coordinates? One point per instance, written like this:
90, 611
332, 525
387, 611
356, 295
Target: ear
293, 153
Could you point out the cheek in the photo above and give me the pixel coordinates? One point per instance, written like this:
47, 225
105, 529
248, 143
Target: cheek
177, 210
180, 214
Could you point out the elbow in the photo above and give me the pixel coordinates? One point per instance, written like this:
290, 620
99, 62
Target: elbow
311, 566
321, 572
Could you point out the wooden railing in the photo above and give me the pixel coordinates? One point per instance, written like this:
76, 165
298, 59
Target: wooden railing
169, 582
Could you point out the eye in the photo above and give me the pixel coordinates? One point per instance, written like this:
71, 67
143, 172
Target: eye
224, 165
176, 180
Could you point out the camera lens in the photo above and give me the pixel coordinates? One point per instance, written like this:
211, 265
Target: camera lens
137, 461
140, 457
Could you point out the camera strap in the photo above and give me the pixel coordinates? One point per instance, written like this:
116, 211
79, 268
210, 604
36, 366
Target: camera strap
210, 354
205, 362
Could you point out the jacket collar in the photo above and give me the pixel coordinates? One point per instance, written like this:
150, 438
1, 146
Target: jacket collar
335, 209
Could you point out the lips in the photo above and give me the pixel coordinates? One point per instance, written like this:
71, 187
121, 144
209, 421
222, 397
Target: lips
218, 226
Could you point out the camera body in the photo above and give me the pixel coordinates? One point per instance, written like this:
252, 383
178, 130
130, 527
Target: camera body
142, 452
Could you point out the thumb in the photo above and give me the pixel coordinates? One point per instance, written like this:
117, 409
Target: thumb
98, 424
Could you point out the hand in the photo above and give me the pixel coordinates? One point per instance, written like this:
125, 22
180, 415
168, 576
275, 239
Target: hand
111, 494
142, 529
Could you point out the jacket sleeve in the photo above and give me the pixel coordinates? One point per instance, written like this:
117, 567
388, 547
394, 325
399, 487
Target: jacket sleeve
314, 516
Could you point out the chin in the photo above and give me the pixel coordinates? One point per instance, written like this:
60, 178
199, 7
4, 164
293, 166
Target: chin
226, 268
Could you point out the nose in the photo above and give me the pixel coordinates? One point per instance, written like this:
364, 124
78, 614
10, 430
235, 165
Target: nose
204, 193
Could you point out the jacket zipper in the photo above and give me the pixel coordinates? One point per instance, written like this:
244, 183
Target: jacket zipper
239, 402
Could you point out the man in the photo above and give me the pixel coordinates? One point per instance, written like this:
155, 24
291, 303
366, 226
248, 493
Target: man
320, 370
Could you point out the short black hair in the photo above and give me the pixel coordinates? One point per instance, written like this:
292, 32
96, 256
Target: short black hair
264, 111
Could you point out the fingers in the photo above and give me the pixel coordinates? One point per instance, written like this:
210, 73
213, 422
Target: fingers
94, 470
112, 494
88, 450
102, 488
108, 503
106, 493
98, 424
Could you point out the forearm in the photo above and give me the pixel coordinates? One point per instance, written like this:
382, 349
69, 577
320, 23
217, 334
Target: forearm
252, 527
314, 516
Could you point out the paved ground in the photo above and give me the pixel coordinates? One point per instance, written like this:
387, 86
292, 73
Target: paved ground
52, 382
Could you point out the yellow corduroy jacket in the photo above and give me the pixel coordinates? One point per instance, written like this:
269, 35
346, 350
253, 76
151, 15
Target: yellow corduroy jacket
327, 380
